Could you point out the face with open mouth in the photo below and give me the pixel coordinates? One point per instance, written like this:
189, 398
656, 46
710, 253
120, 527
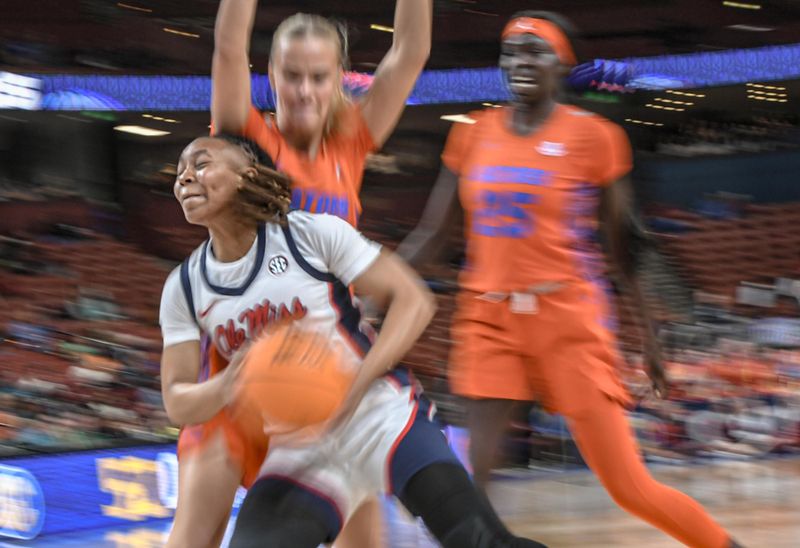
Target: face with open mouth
532, 69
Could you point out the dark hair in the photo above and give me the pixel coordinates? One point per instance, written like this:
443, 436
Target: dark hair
567, 27
265, 196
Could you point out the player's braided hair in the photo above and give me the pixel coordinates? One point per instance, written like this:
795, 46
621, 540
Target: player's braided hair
265, 196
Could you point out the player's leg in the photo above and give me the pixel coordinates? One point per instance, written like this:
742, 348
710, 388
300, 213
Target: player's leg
219, 535
432, 484
364, 529
207, 483
487, 369
280, 513
488, 421
578, 379
607, 443
455, 512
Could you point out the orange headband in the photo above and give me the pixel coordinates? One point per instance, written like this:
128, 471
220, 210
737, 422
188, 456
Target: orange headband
547, 31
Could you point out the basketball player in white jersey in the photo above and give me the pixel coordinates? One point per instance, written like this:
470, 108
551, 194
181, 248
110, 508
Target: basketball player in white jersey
262, 264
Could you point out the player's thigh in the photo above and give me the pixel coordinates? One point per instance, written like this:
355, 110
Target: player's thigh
485, 361
567, 379
207, 482
364, 529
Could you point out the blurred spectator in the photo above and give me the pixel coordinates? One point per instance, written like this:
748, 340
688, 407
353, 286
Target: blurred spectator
699, 137
20, 256
26, 327
94, 304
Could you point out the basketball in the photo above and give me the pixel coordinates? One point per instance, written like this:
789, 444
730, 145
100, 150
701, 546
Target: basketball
291, 379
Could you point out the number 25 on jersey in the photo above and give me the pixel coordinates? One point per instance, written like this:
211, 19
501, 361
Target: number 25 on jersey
504, 214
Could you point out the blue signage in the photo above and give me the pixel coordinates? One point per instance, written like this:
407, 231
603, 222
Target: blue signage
22, 507
67, 492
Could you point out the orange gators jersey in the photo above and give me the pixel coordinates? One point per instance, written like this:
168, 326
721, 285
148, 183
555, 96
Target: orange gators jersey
329, 183
530, 202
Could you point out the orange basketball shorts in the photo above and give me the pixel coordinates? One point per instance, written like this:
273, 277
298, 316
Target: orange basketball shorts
245, 450
562, 348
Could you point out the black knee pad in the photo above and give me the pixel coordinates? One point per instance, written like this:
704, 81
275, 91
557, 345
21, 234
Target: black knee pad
455, 512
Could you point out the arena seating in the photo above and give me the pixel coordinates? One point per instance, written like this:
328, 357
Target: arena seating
715, 256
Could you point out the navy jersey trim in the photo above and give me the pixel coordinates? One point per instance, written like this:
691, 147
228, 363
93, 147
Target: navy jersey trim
186, 284
418, 446
403, 377
349, 316
298, 257
261, 246
341, 300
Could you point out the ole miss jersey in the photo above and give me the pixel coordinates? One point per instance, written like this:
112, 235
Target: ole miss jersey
530, 202
300, 273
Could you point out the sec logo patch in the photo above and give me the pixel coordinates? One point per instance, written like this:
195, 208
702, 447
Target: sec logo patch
278, 265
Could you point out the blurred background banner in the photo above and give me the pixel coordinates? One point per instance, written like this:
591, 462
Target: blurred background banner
96, 489
187, 93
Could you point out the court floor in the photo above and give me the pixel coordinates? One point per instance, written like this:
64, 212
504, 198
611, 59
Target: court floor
758, 501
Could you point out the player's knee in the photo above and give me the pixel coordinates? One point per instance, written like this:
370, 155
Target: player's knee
455, 512
629, 495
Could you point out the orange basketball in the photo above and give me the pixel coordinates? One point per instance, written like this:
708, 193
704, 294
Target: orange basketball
290, 379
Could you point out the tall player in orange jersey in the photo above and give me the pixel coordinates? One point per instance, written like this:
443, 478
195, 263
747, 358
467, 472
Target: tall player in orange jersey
320, 139
533, 319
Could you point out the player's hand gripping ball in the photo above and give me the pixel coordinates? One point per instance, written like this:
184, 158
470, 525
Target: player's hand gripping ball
291, 379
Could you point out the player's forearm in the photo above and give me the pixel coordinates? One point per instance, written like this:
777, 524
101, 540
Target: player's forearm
619, 241
422, 246
230, 66
233, 27
412, 30
633, 287
193, 403
442, 214
407, 317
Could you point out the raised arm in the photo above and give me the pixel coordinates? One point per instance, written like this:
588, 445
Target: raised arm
427, 241
400, 67
230, 66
